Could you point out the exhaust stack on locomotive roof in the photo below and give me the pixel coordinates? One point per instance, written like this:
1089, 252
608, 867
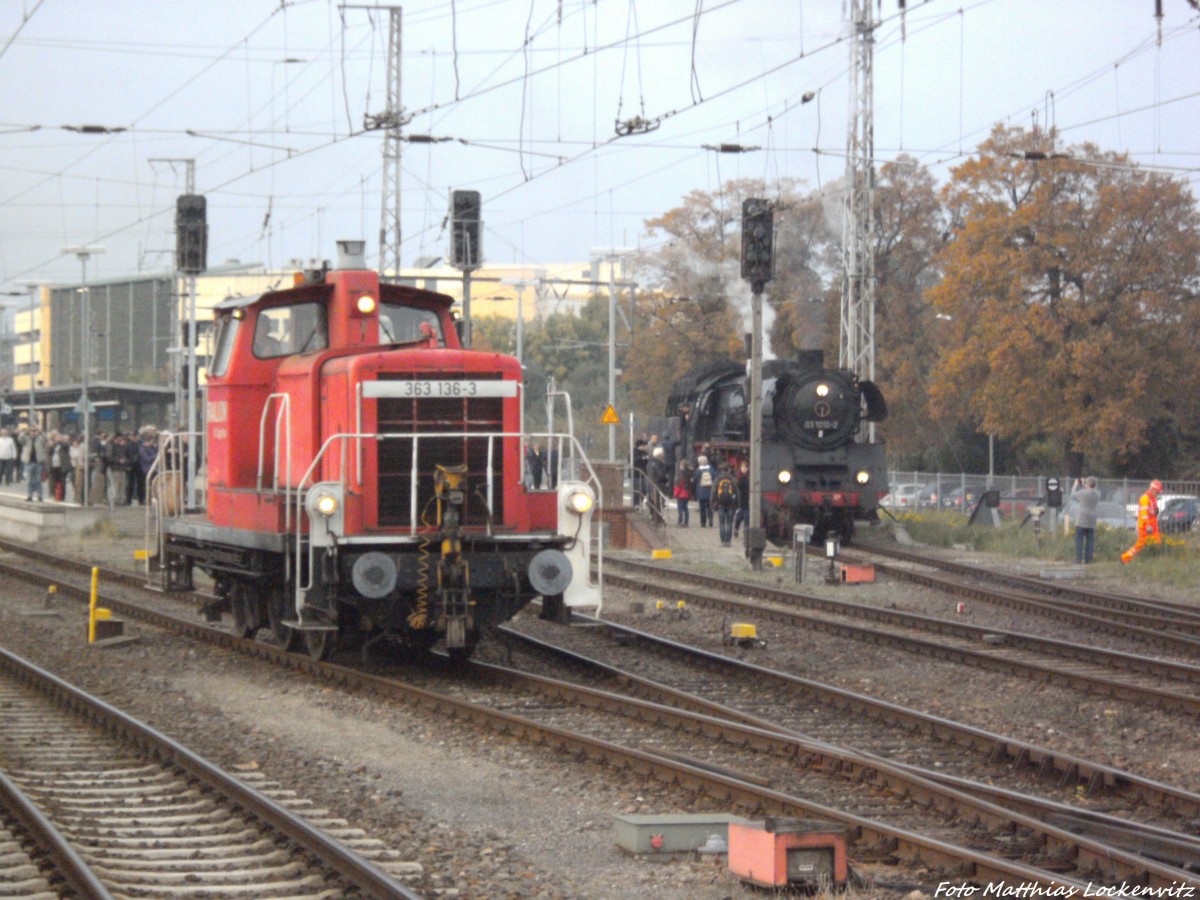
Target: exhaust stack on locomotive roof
352, 254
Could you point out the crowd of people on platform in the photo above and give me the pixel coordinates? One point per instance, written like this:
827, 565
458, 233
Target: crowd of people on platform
722, 495
53, 464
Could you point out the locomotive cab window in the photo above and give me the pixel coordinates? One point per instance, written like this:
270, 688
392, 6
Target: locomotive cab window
405, 324
287, 330
227, 329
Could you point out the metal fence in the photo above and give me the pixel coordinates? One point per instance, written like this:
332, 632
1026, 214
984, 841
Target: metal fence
960, 491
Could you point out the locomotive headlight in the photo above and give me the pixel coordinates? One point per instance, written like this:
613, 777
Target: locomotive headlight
580, 500
324, 505
863, 476
324, 499
785, 476
365, 304
822, 390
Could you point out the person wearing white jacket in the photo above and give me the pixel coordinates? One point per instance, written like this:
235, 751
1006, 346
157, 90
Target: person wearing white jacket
8, 456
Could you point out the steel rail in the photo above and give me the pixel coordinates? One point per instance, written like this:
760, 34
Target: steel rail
965, 862
1174, 848
995, 660
67, 863
694, 714
1142, 617
1098, 776
362, 874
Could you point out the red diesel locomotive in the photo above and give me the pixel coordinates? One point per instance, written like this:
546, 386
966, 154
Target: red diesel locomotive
364, 475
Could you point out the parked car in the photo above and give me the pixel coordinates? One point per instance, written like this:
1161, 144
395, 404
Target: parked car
1017, 502
930, 496
903, 496
1108, 514
1163, 499
1178, 515
963, 498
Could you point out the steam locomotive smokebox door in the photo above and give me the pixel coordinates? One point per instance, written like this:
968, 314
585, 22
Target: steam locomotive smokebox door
779, 852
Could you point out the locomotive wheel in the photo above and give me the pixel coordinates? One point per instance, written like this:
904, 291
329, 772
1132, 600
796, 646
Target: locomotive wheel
276, 603
319, 645
242, 605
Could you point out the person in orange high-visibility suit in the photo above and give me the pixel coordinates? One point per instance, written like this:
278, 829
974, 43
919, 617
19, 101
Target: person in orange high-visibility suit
1147, 522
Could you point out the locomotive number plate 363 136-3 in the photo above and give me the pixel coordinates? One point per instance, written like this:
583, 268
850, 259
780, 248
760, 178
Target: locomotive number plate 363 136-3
440, 388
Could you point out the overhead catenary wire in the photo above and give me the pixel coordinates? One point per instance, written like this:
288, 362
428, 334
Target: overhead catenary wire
751, 125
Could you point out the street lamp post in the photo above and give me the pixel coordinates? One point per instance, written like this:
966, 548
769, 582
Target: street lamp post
85, 405
612, 255
34, 290
520, 284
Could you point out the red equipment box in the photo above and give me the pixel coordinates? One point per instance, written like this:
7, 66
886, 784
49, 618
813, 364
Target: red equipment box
858, 574
780, 852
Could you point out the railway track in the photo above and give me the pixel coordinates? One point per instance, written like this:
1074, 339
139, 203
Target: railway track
745, 728
883, 804
123, 810
1085, 857
1059, 863
1170, 626
647, 664
1170, 685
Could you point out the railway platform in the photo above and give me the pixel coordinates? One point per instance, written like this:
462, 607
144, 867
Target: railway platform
109, 536
687, 544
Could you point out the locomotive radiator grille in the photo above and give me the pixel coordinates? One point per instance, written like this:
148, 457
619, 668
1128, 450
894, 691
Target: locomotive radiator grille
479, 415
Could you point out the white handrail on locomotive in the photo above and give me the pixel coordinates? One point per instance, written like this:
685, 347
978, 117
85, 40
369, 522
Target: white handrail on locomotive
285, 413
300, 491
557, 459
167, 452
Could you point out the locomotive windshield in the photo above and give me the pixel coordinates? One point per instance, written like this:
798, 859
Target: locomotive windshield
287, 330
404, 324
227, 329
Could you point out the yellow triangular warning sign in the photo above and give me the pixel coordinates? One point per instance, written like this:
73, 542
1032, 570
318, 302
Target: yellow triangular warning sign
610, 417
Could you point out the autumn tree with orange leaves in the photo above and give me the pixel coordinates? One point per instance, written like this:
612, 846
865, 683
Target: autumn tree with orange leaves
1070, 283
908, 233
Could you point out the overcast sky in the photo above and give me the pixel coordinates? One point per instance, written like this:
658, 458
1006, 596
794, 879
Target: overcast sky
269, 101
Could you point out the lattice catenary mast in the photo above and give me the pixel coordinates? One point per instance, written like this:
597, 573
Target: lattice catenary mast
390, 121
857, 343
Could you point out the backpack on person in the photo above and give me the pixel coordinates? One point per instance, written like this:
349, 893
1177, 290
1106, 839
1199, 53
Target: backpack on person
726, 493
706, 478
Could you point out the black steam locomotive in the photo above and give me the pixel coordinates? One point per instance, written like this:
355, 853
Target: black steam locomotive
814, 470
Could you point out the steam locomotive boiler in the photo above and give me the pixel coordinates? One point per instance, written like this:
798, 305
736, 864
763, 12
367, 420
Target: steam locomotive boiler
814, 469
364, 476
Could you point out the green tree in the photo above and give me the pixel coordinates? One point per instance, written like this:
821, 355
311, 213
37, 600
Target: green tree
1070, 285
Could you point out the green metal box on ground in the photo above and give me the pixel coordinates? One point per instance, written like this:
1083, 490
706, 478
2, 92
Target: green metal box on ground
676, 833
